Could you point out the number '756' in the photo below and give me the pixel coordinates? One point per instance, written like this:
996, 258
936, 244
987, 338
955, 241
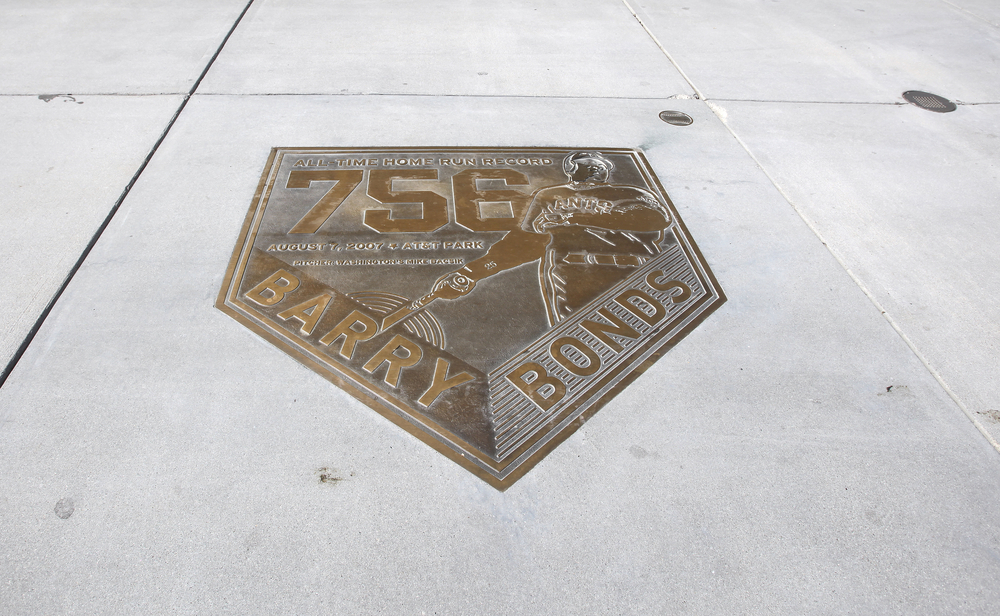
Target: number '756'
434, 214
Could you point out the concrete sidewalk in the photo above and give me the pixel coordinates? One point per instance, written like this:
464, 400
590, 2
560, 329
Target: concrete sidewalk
826, 442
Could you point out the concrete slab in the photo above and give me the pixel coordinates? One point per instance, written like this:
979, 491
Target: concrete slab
908, 199
110, 46
984, 9
867, 51
66, 161
760, 467
564, 48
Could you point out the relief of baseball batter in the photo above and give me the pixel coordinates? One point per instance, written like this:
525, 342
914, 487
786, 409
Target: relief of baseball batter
587, 233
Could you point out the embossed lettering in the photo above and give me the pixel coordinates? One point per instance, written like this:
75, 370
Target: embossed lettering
308, 312
652, 319
593, 359
388, 354
535, 383
434, 207
442, 381
468, 197
615, 327
279, 284
345, 329
685, 291
346, 181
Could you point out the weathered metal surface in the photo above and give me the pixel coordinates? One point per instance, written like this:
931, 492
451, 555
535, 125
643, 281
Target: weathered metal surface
487, 300
930, 102
677, 118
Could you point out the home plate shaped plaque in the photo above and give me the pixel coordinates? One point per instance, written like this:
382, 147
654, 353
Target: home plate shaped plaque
488, 300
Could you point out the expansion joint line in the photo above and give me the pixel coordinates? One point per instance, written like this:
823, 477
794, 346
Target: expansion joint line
663, 49
719, 113
970, 13
864, 288
114, 210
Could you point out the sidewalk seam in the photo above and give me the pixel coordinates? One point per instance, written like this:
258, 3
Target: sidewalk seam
960, 9
26, 342
431, 95
697, 92
720, 114
861, 285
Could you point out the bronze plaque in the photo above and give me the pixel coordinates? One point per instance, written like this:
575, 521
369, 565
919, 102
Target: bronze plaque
488, 300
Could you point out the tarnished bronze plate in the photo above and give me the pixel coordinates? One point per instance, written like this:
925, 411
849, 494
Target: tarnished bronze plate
488, 300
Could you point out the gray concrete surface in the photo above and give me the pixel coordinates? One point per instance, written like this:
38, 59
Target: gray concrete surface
908, 200
110, 46
828, 51
87, 90
801, 452
66, 161
446, 47
982, 9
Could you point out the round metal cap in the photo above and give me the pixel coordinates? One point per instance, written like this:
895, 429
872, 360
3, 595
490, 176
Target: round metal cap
928, 101
676, 118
